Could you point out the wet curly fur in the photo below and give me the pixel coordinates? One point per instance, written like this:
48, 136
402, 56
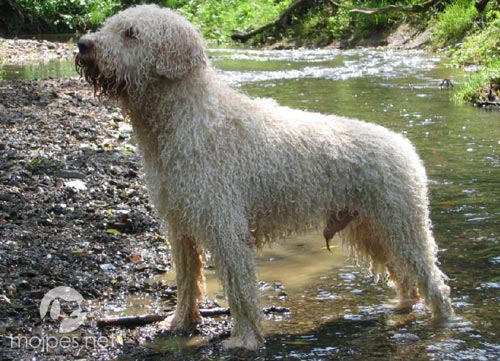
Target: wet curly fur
228, 173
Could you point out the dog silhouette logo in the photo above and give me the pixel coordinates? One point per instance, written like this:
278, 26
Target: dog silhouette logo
68, 294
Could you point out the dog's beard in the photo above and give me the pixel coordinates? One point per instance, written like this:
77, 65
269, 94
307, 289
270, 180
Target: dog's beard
104, 84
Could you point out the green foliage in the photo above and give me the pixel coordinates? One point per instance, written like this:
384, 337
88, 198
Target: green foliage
319, 23
219, 19
310, 28
339, 24
66, 15
452, 25
483, 46
59, 15
479, 85
100, 10
369, 23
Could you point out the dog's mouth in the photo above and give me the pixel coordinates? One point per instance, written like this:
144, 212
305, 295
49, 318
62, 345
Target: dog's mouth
103, 84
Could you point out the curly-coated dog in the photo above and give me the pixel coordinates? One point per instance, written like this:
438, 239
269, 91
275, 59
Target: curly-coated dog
228, 173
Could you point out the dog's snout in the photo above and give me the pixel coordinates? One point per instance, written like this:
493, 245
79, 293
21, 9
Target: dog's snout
85, 44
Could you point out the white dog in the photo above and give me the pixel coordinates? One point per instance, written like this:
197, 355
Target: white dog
228, 173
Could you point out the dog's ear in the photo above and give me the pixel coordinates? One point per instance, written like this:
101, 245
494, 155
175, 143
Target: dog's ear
181, 52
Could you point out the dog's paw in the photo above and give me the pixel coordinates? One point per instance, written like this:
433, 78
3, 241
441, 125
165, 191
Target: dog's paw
173, 324
404, 306
247, 343
166, 324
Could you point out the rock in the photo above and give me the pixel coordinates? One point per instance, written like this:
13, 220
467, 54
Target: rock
77, 185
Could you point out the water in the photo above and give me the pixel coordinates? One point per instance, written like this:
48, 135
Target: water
50, 69
54, 68
337, 310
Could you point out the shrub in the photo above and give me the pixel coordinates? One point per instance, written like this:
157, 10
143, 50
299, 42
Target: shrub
451, 25
483, 46
55, 15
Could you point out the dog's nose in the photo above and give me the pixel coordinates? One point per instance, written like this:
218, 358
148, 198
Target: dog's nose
85, 44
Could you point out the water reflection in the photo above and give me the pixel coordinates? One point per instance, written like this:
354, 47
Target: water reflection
285, 268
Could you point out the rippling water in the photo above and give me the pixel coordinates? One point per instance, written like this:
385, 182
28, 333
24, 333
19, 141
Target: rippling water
259, 65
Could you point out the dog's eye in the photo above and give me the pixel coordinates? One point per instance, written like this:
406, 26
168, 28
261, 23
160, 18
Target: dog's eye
130, 33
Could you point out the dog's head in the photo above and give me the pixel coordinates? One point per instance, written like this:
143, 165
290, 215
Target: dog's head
139, 45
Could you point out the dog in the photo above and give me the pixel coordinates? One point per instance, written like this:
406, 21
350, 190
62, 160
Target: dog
228, 173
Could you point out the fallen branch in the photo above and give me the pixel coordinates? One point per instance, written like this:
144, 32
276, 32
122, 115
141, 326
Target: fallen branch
275, 309
133, 321
130, 321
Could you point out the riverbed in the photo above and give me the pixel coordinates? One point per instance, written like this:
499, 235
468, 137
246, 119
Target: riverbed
337, 310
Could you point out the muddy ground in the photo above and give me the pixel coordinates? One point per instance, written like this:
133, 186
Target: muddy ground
74, 212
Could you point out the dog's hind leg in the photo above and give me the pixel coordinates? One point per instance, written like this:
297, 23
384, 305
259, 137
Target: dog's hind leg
435, 291
370, 246
190, 283
431, 285
406, 289
411, 261
415, 263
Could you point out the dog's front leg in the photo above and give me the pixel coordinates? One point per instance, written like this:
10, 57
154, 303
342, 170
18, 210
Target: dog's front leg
188, 261
236, 264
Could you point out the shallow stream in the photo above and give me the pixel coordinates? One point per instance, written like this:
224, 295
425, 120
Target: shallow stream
337, 310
